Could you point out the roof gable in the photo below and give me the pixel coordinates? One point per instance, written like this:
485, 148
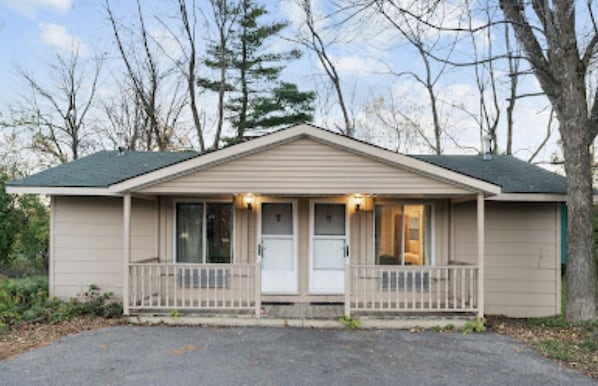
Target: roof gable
305, 165
301, 131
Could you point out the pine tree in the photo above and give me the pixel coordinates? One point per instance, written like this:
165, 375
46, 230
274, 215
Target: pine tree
258, 99
284, 106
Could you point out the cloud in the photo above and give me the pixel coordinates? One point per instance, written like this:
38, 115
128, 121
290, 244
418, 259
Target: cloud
58, 37
167, 42
358, 66
31, 7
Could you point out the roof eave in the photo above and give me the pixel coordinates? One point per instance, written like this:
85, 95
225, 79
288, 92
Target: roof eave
532, 197
60, 190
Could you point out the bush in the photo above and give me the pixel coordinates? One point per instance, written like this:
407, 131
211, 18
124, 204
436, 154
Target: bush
26, 300
476, 325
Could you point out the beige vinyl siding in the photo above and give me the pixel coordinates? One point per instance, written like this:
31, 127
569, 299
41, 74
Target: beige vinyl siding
304, 166
522, 252
87, 236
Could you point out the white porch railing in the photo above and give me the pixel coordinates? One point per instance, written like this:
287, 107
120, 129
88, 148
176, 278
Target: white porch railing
162, 286
393, 288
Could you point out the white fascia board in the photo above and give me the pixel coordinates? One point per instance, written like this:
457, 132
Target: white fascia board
348, 144
531, 197
59, 191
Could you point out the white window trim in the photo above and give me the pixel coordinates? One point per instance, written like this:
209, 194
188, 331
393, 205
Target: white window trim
204, 227
432, 206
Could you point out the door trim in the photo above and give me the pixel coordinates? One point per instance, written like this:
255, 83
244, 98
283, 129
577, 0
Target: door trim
274, 200
312, 204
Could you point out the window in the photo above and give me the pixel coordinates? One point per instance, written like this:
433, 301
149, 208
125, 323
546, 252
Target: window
402, 234
204, 232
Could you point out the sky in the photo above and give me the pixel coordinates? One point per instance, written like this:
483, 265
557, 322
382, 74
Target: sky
33, 31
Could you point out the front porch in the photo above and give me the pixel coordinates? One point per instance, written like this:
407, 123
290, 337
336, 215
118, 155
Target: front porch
370, 290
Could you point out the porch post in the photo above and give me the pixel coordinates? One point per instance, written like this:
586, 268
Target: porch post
347, 288
481, 263
126, 250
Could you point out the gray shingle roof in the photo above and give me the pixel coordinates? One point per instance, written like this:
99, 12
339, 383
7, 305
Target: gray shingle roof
510, 173
102, 169
106, 168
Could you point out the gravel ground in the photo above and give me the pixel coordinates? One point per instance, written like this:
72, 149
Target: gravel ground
134, 355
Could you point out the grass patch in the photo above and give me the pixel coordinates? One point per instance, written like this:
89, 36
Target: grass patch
574, 344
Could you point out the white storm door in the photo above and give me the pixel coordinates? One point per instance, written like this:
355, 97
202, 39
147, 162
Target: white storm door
329, 248
277, 248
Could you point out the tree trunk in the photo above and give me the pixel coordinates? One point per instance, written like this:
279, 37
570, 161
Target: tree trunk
581, 277
222, 88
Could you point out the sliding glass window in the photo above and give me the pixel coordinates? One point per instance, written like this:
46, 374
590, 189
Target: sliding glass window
402, 234
204, 232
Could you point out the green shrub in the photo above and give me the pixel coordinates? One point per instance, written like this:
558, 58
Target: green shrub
26, 300
349, 322
476, 325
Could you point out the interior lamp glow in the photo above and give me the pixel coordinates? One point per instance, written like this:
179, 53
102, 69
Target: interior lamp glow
249, 201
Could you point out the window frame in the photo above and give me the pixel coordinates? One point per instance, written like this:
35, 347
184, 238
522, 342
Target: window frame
431, 205
204, 230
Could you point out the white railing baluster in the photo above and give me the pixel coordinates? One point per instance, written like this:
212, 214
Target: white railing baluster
421, 288
463, 285
411, 288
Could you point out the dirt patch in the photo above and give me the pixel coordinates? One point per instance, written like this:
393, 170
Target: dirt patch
32, 335
573, 345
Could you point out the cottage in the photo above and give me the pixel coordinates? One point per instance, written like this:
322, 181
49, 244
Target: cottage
305, 215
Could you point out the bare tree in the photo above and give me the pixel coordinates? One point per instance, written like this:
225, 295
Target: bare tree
187, 65
513, 61
124, 122
58, 114
403, 129
549, 130
190, 74
148, 80
224, 15
488, 110
416, 33
560, 58
316, 44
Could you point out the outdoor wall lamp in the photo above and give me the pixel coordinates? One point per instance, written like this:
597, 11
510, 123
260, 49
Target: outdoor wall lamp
249, 201
357, 202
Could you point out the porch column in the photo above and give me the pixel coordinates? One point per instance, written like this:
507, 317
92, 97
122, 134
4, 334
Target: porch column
126, 250
480, 223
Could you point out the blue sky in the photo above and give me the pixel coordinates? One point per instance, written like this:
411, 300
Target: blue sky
32, 31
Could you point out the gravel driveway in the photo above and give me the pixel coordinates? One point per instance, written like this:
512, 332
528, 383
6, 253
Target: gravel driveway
132, 355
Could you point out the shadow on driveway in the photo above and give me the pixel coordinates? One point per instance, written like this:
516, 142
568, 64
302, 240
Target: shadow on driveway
132, 355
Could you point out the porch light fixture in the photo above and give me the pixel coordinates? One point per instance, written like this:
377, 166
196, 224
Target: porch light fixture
358, 202
249, 201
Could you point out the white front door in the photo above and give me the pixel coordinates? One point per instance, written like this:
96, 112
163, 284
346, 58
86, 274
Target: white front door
329, 247
277, 248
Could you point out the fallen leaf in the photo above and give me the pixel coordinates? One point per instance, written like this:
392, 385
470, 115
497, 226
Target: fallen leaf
185, 349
